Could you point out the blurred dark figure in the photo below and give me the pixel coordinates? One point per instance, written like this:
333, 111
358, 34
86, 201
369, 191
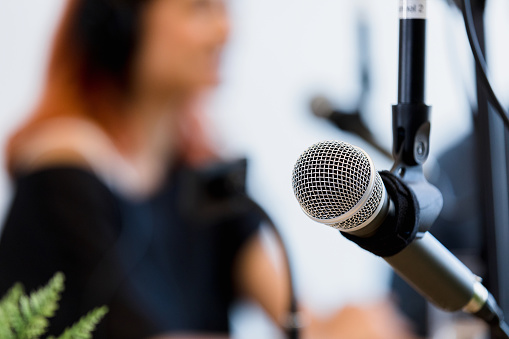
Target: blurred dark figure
118, 186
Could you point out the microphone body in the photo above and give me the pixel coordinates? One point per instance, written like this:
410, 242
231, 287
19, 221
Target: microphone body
439, 276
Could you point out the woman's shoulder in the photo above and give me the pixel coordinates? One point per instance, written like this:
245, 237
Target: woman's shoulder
59, 141
72, 145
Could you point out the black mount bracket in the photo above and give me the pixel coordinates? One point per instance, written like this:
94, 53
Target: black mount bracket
411, 116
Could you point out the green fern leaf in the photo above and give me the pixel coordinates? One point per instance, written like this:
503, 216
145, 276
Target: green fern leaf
38, 307
85, 326
9, 312
10, 316
26, 317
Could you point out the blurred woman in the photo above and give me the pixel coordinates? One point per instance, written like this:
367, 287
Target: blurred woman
110, 179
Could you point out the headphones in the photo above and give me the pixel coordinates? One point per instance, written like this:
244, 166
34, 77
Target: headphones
107, 34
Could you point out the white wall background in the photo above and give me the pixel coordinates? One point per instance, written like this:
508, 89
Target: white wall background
282, 53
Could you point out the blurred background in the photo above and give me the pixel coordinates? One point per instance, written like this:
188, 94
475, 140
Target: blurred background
283, 53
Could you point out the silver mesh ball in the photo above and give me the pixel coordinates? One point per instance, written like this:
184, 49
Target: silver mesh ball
337, 184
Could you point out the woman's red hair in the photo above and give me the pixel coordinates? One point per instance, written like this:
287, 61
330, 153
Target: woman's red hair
69, 92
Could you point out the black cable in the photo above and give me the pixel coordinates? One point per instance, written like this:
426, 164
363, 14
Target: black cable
499, 327
480, 62
293, 323
223, 186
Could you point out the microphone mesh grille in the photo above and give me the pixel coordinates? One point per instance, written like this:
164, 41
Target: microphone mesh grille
367, 211
329, 180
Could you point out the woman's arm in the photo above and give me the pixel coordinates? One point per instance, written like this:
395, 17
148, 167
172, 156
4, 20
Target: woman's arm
258, 278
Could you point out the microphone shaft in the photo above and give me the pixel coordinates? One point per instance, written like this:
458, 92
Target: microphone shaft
438, 275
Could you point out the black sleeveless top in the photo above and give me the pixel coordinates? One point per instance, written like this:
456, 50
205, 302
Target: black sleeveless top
162, 265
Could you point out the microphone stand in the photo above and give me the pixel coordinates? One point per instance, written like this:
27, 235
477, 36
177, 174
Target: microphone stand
411, 124
411, 131
492, 155
352, 120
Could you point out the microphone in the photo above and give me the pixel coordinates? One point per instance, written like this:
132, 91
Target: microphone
348, 122
336, 184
